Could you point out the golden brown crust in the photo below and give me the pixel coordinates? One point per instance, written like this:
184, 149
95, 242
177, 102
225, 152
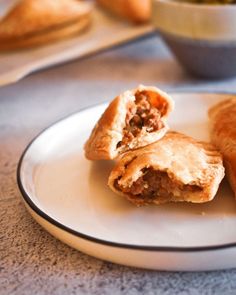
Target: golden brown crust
223, 135
108, 132
49, 37
184, 160
137, 11
36, 22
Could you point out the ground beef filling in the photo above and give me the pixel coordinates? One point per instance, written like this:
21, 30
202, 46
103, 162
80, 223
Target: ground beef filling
154, 184
140, 114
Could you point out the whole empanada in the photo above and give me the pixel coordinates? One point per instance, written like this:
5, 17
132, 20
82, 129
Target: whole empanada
137, 11
223, 135
133, 119
174, 169
37, 22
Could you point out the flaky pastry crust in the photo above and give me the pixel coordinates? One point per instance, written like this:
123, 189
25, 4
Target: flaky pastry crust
36, 22
173, 169
137, 11
223, 135
107, 138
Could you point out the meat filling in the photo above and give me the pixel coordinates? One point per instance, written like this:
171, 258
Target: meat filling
153, 184
140, 114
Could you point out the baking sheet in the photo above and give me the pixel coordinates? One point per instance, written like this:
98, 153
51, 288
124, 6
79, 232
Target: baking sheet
105, 31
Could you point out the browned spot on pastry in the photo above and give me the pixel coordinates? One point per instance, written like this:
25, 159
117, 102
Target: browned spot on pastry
141, 114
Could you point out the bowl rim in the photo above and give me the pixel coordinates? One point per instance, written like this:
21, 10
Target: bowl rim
202, 6
200, 22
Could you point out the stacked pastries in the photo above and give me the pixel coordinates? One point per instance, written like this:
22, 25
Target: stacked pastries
32, 23
152, 164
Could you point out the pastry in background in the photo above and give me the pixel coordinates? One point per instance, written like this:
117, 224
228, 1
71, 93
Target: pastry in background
223, 135
37, 22
133, 119
174, 169
137, 11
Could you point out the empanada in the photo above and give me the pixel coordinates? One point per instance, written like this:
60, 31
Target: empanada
137, 11
36, 22
174, 169
132, 120
223, 134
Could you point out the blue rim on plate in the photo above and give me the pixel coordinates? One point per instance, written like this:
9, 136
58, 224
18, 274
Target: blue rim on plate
51, 220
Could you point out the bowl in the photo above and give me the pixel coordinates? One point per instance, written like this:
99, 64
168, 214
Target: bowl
201, 36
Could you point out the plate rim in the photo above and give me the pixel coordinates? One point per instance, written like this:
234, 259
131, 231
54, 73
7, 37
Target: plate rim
89, 238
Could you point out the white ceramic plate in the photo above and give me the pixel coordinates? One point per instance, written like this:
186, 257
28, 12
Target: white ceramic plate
69, 197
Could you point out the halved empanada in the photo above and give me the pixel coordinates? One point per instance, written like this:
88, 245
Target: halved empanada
36, 22
132, 120
176, 168
223, 135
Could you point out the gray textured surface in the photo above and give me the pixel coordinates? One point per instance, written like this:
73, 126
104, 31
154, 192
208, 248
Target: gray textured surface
33, 262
